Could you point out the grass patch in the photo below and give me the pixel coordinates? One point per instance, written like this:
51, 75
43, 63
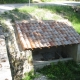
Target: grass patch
62, 71
46, 13
66, 12
29, 76
15, 15
56, 0
40, 13
14, 1
47, 0
54, 13
26, 1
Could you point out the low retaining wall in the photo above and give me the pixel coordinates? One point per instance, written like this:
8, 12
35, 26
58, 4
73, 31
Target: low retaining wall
5, 71
21, 61
41, 64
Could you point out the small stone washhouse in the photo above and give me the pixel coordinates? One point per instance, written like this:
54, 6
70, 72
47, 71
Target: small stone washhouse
47, 41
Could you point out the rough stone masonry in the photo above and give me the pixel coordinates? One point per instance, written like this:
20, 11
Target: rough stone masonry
5, 73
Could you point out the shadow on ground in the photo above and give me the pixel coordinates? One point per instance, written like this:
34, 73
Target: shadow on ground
67, 12
17, 60
16, 15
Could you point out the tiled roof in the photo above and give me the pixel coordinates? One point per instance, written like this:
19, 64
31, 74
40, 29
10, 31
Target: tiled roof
35, 34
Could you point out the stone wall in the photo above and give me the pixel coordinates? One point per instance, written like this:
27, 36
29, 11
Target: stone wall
20, 60
5, 71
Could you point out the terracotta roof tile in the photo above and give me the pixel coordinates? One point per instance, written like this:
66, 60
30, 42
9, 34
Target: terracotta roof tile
35, 34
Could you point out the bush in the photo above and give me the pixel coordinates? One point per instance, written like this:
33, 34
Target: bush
62, 71
14, 1
46, 0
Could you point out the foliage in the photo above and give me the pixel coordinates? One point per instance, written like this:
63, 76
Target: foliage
66, 12
55, 12
30, 76
47, 0
56, 0
62, 71
14, 1
15, 15
26, 1
2, 22
46, 13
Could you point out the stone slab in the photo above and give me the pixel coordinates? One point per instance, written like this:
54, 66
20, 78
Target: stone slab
5, 72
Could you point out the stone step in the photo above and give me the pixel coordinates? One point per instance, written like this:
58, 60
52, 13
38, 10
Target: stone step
5, 72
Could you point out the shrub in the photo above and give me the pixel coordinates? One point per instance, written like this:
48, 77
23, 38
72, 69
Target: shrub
62, 71
14, 1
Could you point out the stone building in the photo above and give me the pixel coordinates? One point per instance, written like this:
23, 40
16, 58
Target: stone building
47, 40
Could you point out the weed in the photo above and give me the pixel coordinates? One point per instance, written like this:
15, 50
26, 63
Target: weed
14, 1
45, 13
62, 71
46, 0
55, 12
29, 76
66, 12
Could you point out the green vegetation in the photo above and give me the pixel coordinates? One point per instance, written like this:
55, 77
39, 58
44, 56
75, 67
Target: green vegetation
62, 71
14, 1
14, 15
47, 0
26, 1
29, 76
66, 12
54, 13
57, 0
46, 13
